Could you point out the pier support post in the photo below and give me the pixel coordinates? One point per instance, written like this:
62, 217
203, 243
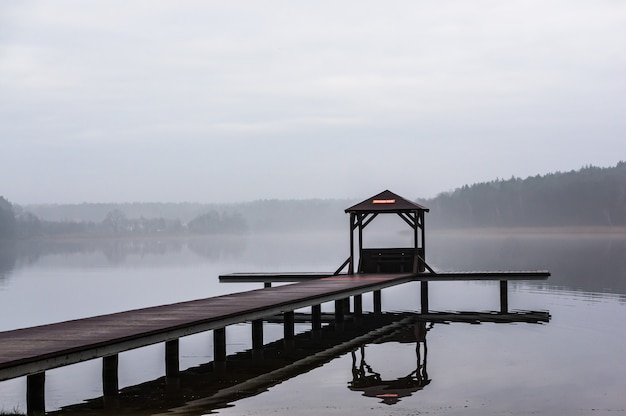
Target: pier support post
358, 305
172, 360
289, 328
424, 296
316, 317
289, 324
110, 384
267, 284
339, 310
35, 394
257, 334
504, 296
219, 346
378, 302
346, 305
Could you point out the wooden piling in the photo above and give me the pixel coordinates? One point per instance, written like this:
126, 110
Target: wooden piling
289, 325
378, 302
257, 334
219, 345
289, 329
358, 305
316, 317
346, 306
504, 296
172, 358
110, 383
424, 296
35, 394
339, 311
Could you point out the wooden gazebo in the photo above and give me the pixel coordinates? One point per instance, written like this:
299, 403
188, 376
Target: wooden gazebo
387, 260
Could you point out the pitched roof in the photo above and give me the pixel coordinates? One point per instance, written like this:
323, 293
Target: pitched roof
386, 201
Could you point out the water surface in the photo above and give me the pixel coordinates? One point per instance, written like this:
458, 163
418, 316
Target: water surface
574, 364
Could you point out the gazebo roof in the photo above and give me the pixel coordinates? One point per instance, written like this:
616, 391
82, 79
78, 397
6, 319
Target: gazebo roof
386, 201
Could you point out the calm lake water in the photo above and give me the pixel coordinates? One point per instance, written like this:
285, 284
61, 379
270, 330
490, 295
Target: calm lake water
574, 364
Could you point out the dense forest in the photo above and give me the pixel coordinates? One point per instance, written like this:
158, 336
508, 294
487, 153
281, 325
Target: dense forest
591, 196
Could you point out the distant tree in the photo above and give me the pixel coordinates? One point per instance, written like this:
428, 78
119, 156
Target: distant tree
115, 222
28, 225
234, 222
213, 222
205, 223
7, 220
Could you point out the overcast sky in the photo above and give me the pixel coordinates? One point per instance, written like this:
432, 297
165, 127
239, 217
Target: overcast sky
223, 101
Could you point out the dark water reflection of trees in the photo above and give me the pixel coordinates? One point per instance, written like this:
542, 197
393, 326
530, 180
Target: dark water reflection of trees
14, 255
8, 257
587, 262
591, 263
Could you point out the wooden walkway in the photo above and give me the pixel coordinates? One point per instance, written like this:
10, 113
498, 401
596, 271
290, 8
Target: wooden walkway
36, 349
31, 351
424, 278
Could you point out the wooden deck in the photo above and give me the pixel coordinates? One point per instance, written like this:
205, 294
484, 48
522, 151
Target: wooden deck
36, 349
423, 277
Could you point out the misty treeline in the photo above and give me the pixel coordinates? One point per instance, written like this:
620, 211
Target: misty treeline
137, 219
591, 196
16, 222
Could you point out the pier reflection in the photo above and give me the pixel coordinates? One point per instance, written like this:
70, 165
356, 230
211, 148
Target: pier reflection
8, 258
367, 380
206, 388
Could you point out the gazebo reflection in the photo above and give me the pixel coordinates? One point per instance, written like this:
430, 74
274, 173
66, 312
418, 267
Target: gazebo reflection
390, 391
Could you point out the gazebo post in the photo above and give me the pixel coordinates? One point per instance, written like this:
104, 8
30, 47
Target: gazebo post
360, 222
422, 220
351, 265
415, 233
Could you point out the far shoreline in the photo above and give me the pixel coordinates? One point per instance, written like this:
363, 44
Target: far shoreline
463, 232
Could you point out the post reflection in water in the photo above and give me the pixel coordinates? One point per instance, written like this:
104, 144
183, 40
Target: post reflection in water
247, 373
371, 383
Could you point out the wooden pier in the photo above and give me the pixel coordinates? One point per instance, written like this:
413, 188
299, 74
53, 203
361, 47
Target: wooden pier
32, 351
501, 276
